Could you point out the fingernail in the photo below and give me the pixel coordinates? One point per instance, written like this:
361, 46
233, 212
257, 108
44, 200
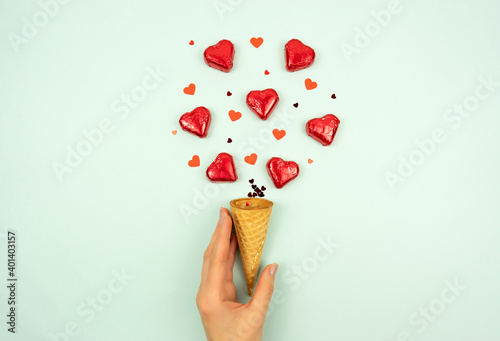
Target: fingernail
273, 269
222, 215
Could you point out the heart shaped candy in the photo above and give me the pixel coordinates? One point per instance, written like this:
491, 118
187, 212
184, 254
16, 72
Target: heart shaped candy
220, 56
323, 129
282, 172
196, 122
222, 169
298, 55
262, 102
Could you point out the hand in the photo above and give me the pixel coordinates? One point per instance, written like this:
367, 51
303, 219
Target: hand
223, 317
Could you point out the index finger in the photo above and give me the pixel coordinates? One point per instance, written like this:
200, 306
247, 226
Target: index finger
208, 252
217, 266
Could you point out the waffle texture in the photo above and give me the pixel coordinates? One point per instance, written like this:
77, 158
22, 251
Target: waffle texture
251, 223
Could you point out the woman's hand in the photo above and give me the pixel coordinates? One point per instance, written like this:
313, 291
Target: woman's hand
223, 317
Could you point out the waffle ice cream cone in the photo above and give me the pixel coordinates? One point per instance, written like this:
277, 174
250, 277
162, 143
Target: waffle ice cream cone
250, 223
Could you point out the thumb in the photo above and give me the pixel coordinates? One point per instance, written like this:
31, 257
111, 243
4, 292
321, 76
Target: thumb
265, 288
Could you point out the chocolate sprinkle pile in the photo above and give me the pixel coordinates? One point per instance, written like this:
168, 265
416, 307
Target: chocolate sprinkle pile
257, 192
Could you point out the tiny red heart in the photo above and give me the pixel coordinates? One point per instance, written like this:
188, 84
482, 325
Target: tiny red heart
194, 162
229, 93
256, 42
262, 102
234, 115
220, 56
222, 169
323, 129
191, 42
310, 85
279, 134
266, 72
196, 122
298, 55
281, 171
189, 90
251, 159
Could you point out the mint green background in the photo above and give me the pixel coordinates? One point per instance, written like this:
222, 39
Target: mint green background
121, 207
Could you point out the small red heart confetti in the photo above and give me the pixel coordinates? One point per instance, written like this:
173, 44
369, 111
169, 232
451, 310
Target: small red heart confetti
262, 102
189, 90
174, 132
251, 159
296, 105
279, 134
256, 42
333, 96
234, 115
194, 162
266, 72
248, 203
309, 161
282, 172
220, 56
323, 129
191, 42
310, 85
298, 55
229, 140
196, 122
222, 169
229, 93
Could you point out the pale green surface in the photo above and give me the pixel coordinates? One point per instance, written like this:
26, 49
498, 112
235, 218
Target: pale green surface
120, 208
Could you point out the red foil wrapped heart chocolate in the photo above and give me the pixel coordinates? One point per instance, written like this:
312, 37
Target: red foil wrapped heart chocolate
262, 102
222, 169
196, 122
281, 172
220, 56
298, 55
323, 129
